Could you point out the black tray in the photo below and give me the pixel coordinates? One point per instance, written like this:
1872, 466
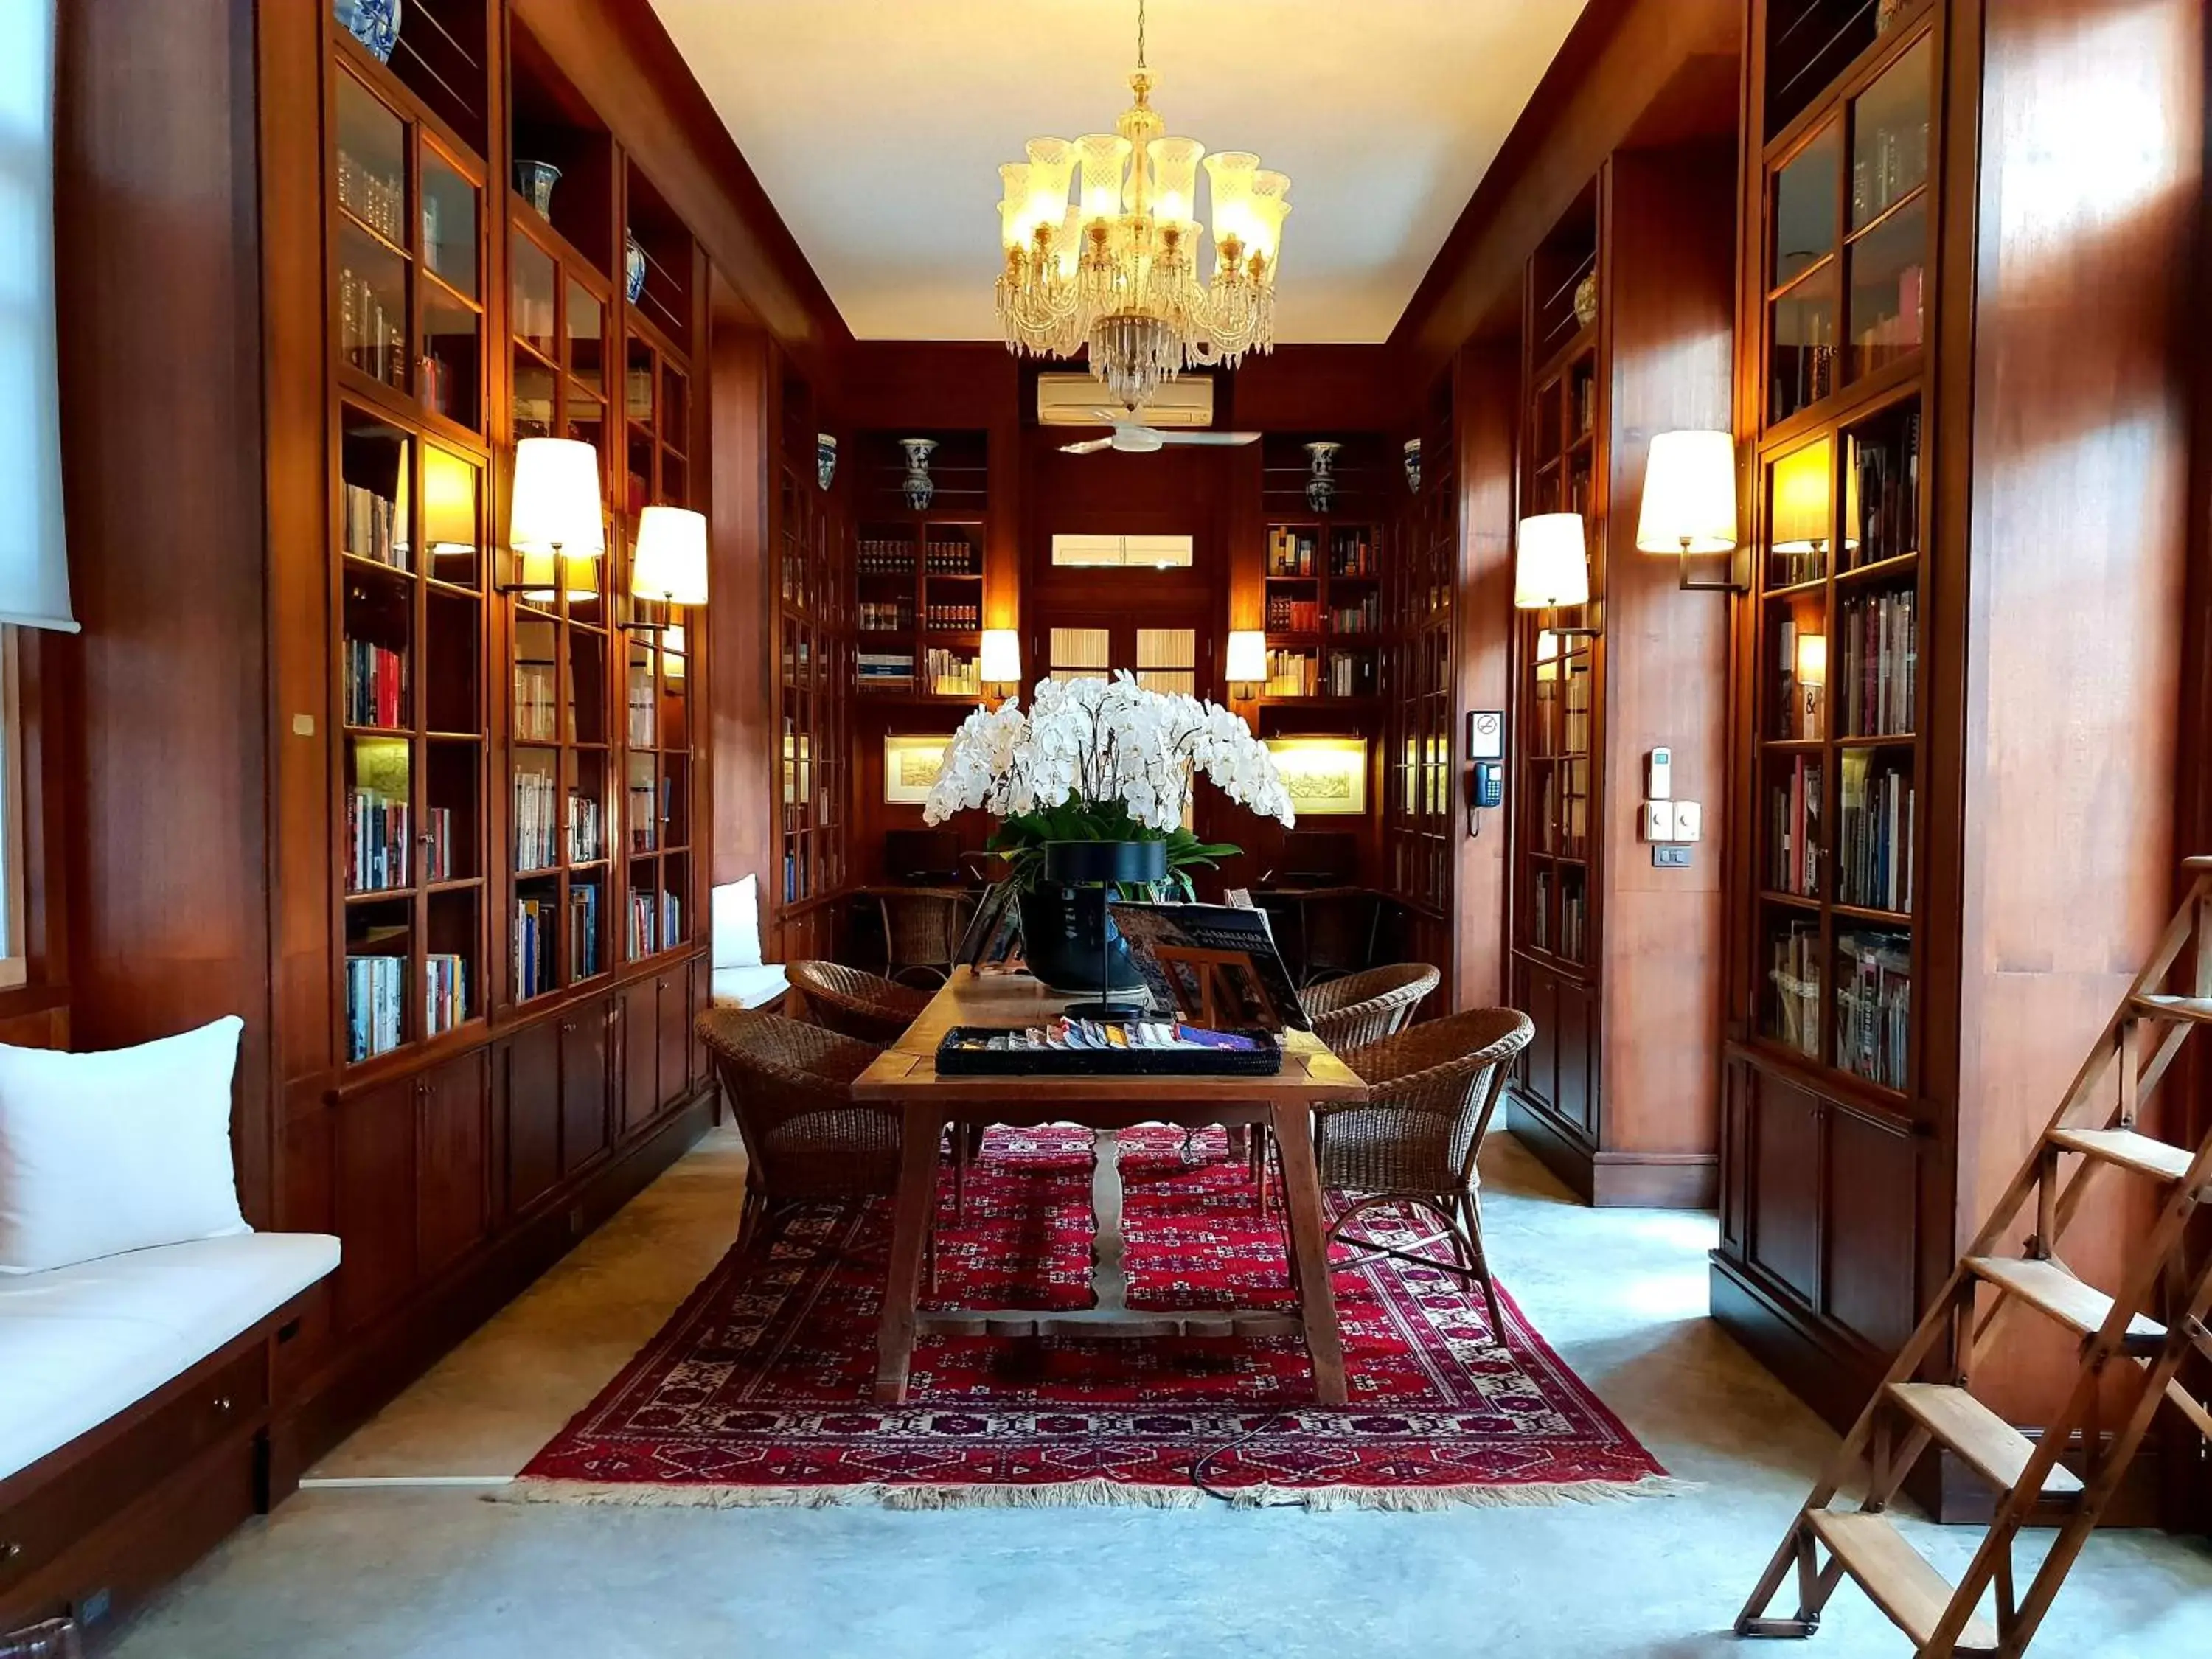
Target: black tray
953, 1060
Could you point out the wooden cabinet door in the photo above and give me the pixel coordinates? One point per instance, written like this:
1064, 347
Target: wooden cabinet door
1574, 1054
701, 996
533, 1114
640, 1051
374, 1181
1539, 1079
452, 1160
585, 1058
675, 1033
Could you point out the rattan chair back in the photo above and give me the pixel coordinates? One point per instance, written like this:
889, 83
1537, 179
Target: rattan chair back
1365, 1007
855, 1002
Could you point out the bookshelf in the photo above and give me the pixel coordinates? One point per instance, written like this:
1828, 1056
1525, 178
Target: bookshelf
818, 599
1611, 954
1421, 802
407, 538
1321, 574
919, 573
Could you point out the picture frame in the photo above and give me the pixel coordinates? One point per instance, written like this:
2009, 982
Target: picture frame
910, 767
1327, 777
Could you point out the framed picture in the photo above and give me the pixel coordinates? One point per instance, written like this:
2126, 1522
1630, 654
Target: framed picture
1327, 777
910, 766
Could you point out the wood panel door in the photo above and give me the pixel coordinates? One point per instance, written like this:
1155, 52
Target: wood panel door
674, 1035
640, 1051
533, 1114
375, 1181
586, 1084
452, 1160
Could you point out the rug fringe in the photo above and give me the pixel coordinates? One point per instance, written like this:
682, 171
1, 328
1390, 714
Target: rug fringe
1075, 1494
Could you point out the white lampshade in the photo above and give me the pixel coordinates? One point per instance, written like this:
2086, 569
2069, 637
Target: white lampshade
1552, 565
1246, 660
1799, 513
1001, 662
1689, 495
670, 563
555, 500
1812, 659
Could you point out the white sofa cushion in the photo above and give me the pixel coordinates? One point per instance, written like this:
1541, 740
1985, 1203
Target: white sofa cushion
78, 1344
120, 1150
757, 987
734, 924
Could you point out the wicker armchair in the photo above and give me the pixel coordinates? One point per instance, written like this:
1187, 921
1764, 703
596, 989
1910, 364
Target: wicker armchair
1365, 1007
806, 1139
859, 1004
1432, 1090
921, 930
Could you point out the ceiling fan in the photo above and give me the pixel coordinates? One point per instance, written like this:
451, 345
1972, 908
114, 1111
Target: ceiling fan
1131, 436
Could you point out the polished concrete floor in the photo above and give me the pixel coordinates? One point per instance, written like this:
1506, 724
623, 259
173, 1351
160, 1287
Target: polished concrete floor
397, 1552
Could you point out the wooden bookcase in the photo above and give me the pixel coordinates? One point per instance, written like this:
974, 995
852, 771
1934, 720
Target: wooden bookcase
1421, 802
919, 573
1611, 955
1321, 577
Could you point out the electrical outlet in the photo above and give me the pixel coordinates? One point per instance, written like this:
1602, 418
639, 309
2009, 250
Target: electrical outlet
1658, 820
1689, 821
1676, 857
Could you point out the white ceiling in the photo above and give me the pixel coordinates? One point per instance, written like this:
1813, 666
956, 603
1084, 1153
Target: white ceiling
877, 127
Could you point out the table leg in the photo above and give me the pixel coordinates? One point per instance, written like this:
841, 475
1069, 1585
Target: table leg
919, 1137
1109, 1273
1302, 1205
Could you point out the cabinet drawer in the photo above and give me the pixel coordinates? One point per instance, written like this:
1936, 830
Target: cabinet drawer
220, 1398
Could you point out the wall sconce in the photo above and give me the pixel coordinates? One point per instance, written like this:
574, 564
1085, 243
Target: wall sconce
668, 566
1689, 505
557, 522
1245, 662
1551, 565
1000, 661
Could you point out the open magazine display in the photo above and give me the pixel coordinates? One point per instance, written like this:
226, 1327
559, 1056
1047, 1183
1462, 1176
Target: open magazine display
1214, 964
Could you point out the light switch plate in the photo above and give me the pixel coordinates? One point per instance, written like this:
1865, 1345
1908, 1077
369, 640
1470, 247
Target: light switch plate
1658, 820
1676, 857
1689, 820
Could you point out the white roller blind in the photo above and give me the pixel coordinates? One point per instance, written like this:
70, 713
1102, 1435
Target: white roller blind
33, 561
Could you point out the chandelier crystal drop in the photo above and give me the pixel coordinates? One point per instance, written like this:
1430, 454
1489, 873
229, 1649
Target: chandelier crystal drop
1117, 268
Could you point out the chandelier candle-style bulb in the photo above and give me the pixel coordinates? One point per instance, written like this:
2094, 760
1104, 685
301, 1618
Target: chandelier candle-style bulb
1121, 271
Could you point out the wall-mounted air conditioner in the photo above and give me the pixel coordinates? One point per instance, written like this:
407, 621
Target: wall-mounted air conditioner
1077, 399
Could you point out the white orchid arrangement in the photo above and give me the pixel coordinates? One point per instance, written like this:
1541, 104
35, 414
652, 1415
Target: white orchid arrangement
1102, 760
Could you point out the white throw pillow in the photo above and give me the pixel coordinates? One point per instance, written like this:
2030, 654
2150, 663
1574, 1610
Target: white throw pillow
735, 924
122, 1151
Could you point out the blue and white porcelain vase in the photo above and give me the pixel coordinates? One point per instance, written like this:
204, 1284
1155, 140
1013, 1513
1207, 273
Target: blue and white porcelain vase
918, 487
825, 459
633, 268
374, 23
535, 179
1321, 485
1413, 465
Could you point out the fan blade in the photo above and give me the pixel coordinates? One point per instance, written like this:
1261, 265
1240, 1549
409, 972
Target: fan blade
1220, 439
1088, 446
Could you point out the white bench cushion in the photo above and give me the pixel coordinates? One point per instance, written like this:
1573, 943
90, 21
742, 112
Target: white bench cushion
757, 987
79, 1344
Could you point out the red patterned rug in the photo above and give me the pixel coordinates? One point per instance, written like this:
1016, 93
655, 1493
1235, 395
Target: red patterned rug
758, 1390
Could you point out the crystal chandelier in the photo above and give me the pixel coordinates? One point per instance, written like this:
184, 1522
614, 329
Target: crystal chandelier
1117, 270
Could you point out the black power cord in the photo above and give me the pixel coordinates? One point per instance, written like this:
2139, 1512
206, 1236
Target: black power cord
1198, 1464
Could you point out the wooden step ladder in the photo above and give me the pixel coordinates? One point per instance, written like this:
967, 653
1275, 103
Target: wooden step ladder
2093, 1132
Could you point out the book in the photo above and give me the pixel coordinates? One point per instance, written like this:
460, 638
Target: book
445, 994
1873, 1005
376, 841
1255, 989
375, 988
537, 821
535, 921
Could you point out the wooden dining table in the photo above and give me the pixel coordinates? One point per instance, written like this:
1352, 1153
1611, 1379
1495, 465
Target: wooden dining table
905, 1075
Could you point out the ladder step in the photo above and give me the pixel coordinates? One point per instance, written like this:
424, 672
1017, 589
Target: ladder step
2197, 1010
1988, 1444
2127, 1149
1896, 1577
2073, 1303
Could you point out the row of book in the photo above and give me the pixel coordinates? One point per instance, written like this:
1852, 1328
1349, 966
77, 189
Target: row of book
641, 711
1293, 674
445, 992
1288, 615
373, 339
376, 989
376, 841
375, 683
1565, 933
536, 820
1351, 552
1792, 971
1873, 835
952, 673
953, 559
1563, 809
1901, 331
878, 618
536, 716
893, 669
583, 929
655, 924
1293, 552
536, 922
1365, 617
370, 528
644, 822
1881, 663
882, 558
1348, 674
378, 199
1873, 1005
1793, 835
964, 614
1884, 511
587, 845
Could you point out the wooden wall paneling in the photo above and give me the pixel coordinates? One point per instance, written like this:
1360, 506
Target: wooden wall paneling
1487, 403
2075, 526
740, 660
168, 925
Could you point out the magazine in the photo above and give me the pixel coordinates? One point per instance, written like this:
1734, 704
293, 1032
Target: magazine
994, 931
1186, 950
